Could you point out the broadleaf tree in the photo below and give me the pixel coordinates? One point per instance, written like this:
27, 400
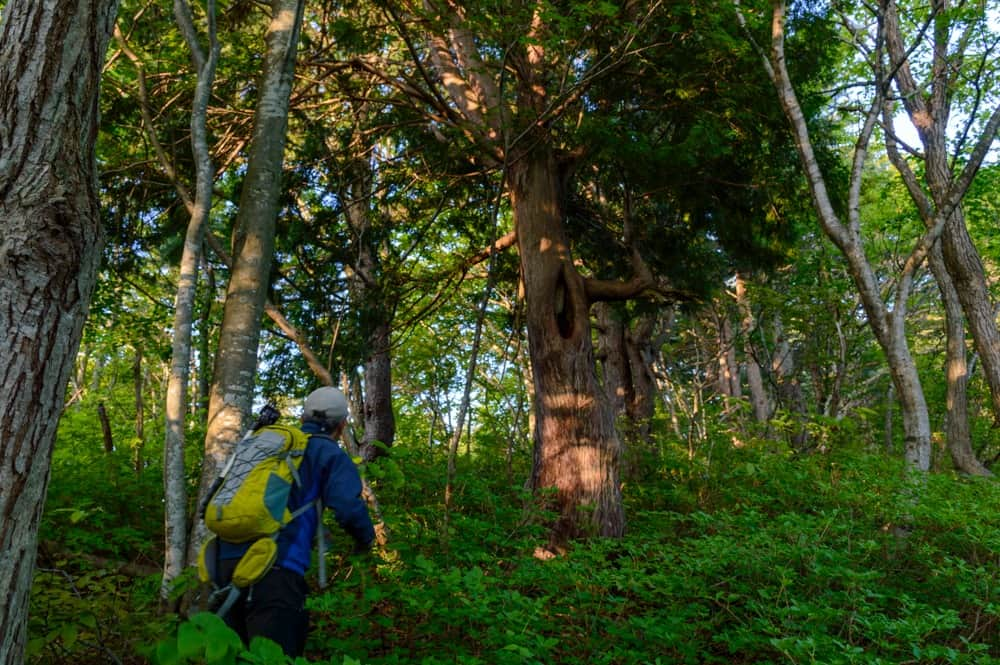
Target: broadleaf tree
840, 219
51, 56
233, 389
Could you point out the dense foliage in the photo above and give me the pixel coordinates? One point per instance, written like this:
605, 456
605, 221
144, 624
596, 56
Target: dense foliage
788, 536
744, 554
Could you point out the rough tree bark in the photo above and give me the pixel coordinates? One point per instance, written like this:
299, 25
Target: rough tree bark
102, 416
624, 353
577, 449
51, 53
368, 291
958, 434
379, 419
611, 355
640, 348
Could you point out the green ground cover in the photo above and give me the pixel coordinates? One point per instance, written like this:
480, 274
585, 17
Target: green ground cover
762, 557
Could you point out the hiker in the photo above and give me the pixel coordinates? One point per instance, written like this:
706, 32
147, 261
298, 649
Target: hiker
274, 606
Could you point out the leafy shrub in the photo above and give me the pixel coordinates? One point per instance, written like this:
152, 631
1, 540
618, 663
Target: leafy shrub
758, 556
82, 614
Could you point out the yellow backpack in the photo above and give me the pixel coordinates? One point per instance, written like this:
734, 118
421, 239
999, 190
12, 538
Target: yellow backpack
249, 502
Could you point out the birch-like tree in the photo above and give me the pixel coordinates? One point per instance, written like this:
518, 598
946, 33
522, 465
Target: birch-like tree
945, 76
887, 318
204, 61
51, 55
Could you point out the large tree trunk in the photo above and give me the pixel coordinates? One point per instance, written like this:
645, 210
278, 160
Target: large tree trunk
51, 52
576, 447
640, 350
379, 420
625, 358
577, 450
965, 268
232, 392
612, 357
368, 294
929, 106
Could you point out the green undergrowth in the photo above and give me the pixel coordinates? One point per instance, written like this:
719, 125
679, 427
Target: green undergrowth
100, 552
758, 557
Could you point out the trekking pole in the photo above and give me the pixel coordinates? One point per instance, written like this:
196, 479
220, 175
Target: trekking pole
321, 544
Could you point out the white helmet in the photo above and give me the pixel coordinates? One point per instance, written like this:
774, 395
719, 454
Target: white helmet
326, 405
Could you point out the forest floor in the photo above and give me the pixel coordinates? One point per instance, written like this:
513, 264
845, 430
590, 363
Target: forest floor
761, 556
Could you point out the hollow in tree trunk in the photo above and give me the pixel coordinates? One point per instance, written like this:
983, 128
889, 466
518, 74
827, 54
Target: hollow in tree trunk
577, 449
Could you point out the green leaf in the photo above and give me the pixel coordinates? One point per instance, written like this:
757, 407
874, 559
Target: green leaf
35, 646
519, 650
69, 632
190, 640
267, 651
166, 653
219, 651
216, 630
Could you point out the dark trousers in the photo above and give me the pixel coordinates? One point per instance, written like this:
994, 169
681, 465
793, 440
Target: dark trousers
274, 607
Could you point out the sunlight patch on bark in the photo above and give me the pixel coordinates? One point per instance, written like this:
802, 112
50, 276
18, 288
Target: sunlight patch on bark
283, 20
569, 401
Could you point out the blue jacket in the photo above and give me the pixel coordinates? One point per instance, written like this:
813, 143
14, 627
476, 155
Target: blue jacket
328, 473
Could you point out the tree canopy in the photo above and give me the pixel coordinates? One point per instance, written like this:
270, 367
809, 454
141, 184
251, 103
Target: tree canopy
664, 341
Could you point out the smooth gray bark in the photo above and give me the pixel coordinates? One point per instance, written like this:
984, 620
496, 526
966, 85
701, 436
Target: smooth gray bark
929, 106
178, 381
958, 435
759, 401
231, 399
888, 325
